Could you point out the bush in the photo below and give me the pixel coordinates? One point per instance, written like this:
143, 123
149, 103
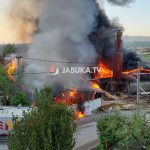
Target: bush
19, 99
50, 127
116, 131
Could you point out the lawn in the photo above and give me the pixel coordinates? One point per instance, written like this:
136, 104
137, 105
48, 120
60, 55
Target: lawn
145, 57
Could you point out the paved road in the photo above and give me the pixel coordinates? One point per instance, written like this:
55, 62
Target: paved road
86, 136
3, 146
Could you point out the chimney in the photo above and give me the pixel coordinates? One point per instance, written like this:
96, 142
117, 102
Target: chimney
118, 57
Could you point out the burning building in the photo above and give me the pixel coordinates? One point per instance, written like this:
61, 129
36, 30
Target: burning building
79, 33
84, 101
71, 97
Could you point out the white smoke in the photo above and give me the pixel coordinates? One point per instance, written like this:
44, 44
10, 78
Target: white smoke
64, 26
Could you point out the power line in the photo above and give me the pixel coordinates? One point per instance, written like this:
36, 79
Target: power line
71, 62
57, 61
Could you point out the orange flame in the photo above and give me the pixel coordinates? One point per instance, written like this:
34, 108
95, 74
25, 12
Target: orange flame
80, 115
135, 70
108, 73
105, 72
95, 85
12, 66
72, 93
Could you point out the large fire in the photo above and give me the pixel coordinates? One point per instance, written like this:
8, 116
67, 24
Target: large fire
108, 73
12, 66
105, 72
135, 70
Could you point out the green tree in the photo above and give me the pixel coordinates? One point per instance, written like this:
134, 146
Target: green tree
50, 127
19, 99
116, 131
45, 94
8, 49
7, 87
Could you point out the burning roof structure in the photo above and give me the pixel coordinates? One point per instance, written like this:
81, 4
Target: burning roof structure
75, 96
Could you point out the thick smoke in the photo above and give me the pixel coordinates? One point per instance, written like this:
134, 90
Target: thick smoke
23, 18
70, 31
103, 38
64, 27
120, 2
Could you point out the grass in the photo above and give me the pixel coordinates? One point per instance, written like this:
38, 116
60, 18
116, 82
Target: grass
145, 57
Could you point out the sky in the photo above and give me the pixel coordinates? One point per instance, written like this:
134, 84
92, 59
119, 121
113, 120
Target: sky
134, 18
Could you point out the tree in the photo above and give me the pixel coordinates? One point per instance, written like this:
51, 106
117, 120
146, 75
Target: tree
45, 94
7, 87
48, 127
116, 131
19, 99
8, 49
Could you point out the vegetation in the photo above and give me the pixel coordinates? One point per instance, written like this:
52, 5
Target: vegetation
49, 127
8, 49
115, 131
19, 99
7, 87
9, 94
137, 44
145, 57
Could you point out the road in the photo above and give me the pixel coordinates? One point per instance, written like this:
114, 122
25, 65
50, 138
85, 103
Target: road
86, 137
3, 146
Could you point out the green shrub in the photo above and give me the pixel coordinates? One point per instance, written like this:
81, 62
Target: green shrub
19, 99
116, 131
50, 127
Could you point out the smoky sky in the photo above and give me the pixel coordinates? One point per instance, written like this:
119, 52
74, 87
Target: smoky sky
120, 2
71, 31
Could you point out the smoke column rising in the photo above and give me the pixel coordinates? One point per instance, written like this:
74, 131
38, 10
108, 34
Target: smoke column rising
64, 27
71, 30
22, 16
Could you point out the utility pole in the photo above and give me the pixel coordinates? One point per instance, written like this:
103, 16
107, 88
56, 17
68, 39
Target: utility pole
138, 87
18, 72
